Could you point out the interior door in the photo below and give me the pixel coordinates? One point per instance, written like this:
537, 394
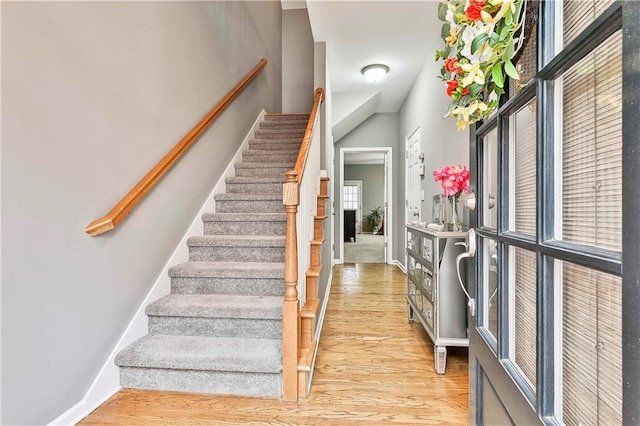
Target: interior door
546, 341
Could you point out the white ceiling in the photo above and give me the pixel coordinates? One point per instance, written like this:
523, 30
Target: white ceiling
400, 34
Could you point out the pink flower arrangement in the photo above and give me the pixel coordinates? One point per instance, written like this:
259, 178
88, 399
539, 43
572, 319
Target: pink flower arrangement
454, 180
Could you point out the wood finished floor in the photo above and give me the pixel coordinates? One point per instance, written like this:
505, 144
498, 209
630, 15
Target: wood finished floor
373, 367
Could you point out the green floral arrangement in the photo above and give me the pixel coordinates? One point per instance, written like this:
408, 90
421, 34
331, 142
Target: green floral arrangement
481, 38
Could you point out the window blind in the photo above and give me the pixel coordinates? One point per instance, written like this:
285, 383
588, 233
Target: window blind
525, 312
527, 64
591, 215
592, 148
578, 14
591, 347
524, 154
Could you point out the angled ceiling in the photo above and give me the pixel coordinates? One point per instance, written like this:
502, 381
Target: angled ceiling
400, 34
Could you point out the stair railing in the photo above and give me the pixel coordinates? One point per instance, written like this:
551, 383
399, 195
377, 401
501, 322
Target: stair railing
300, 189
144, 186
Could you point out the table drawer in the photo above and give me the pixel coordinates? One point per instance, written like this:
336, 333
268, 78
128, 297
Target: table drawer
427, 250
428, 312
428, 284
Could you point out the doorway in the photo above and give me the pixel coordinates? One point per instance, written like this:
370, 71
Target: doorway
365, 186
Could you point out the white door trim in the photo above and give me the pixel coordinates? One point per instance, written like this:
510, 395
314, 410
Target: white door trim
388, 225
406, 185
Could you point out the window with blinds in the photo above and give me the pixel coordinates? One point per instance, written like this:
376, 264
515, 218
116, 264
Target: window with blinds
591, 346
578, 14
490, 159
523, 279
592, 148
523, 151
591, 206
490, 296
527, 64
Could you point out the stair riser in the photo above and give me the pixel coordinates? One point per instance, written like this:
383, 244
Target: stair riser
283, 118
244, 228
279, 134
236, 254
236, 286
262, 171
249, 206
254, 188
196, 381
216, 327
276, 157
290, 147
299, 125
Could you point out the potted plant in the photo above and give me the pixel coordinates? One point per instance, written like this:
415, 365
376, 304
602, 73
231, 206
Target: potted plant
375, 218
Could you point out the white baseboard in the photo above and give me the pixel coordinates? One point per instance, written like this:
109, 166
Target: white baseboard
107, 382
323, 311
399, 265
72, 416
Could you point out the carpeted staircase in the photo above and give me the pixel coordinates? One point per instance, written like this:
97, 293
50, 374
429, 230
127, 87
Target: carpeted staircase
220, 329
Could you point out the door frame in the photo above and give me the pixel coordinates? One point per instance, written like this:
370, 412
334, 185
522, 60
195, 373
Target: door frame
388, 174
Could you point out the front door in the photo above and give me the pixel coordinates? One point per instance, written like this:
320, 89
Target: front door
546, 340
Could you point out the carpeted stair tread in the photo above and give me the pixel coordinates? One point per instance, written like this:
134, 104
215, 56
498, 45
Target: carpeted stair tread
287, 117
240, 196
249, 179
217, 306
227, 270
295, 124
296, 140
244, 217
236, 241
202, 353
263, 165
278, 133
269, 156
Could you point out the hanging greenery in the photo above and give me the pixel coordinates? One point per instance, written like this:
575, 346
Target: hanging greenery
481, 39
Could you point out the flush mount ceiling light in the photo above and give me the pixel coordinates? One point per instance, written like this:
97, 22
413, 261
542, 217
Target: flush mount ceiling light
375, 72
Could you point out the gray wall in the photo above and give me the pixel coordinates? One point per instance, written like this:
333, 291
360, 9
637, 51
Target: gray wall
372, 177
94, 94
297, 61
379, 130
442, 144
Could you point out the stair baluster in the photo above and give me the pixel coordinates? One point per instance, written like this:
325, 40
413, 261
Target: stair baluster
302, 187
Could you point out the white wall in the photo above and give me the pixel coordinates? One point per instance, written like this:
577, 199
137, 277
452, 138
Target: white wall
442, 144
379, 130
297, 61
94, 94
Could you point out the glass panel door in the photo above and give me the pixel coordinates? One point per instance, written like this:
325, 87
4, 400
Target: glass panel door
552, 169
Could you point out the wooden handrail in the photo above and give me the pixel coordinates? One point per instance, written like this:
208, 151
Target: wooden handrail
129, 201
291, 336
318, 98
